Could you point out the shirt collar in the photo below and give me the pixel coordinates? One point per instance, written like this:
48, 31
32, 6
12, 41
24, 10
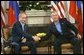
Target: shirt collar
22, 23
56, 22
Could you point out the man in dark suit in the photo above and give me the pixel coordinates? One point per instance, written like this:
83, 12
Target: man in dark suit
64, 31
19, 32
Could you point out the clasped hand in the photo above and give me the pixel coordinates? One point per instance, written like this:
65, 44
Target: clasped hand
36, 38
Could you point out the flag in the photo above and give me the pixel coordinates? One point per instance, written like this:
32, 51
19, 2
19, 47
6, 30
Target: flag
75, 12
5, 4
59, 7
79, 16
13, 12
3, 19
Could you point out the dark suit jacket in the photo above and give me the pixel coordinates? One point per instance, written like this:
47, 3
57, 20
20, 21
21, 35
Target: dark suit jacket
17, 32
66, 29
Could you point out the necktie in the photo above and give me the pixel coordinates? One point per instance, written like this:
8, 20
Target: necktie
23, 27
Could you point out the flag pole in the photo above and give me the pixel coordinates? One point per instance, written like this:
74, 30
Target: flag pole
66, 10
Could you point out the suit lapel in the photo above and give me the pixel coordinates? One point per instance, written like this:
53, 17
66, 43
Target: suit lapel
25, 27
62, 25
20, 26
54, 28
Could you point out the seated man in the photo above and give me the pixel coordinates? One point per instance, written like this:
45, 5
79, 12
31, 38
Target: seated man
62, 29
20, 31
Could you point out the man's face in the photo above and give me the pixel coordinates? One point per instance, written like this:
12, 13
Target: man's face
23, 18
55, 17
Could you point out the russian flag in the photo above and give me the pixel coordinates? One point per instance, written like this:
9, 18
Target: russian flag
79, 16
75, 12
13, 12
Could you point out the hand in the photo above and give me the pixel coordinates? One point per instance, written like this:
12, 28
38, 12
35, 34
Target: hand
36, 38
79, 36
24, 40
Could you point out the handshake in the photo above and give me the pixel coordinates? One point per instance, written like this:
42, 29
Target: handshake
38, 36
35, 38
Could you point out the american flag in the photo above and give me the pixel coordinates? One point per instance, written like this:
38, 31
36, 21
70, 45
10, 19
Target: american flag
59, 7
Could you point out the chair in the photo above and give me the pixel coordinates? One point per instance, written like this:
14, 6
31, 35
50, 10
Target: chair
63, 46
6, 48
46, 43
6, 45
4, 37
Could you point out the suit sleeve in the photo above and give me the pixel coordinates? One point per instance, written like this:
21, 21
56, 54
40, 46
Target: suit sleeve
49, 34
27, 35
71, 26
16, 31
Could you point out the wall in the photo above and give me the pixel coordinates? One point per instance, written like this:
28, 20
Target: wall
38, 17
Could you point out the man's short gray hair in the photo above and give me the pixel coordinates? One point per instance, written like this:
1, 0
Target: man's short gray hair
21, 12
